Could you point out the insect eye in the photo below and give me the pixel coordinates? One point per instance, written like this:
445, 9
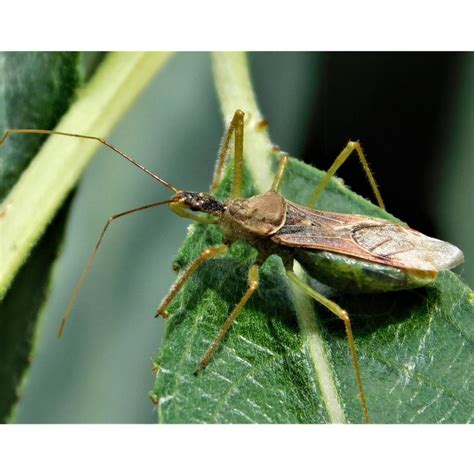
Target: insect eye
195, 204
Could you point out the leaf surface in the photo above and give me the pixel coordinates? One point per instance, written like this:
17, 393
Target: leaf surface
37, 89
415, 347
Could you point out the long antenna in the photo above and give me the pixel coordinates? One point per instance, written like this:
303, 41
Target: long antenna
89, 263
89, 137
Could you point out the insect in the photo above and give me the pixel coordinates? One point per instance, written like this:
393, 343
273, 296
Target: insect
348, 252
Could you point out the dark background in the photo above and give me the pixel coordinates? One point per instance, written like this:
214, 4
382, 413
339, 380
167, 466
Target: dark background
399, 105
404, 108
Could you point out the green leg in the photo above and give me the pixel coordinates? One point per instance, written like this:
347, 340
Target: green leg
211, 252
340, 160
341, 314
281, 171
253, 282
236, 127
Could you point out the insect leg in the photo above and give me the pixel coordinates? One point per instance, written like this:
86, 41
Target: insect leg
84, 273
281, 171
341, 314
253, 282
236, 127
205, 255
339, 161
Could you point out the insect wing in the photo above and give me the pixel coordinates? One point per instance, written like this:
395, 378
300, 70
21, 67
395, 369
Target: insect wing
371, 239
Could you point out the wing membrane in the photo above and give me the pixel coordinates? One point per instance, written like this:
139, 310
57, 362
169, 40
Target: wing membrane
368, 238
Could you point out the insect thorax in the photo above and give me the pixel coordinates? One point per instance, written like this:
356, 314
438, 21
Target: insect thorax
254, 218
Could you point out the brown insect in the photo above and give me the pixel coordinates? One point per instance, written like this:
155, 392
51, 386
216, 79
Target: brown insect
348, 252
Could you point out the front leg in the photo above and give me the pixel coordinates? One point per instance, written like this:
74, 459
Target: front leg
208, 253
236, 128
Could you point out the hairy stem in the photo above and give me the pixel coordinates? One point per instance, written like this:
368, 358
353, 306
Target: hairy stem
39, 193
235, 91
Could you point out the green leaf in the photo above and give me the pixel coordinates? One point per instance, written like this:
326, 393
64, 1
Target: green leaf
57, 167
415, 347
286, 359
37, 89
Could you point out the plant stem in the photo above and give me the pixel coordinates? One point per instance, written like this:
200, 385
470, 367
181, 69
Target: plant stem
235, 91
55, 170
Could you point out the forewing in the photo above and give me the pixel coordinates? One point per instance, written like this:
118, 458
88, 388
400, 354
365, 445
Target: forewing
371, 239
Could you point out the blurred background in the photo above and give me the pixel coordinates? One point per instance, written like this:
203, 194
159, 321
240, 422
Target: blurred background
413, 112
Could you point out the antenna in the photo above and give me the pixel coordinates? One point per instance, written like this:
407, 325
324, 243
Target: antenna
88, 137
89, 263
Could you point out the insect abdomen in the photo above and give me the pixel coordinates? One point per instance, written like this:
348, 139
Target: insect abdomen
353, 275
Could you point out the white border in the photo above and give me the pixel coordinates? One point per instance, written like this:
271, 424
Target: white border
244, 25
236, 448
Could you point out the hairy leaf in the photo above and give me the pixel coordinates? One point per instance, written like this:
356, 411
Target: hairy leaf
36, 87
415, 347
36, 90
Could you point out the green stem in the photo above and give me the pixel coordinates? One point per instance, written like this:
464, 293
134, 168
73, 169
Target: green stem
235, 91
54, 172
